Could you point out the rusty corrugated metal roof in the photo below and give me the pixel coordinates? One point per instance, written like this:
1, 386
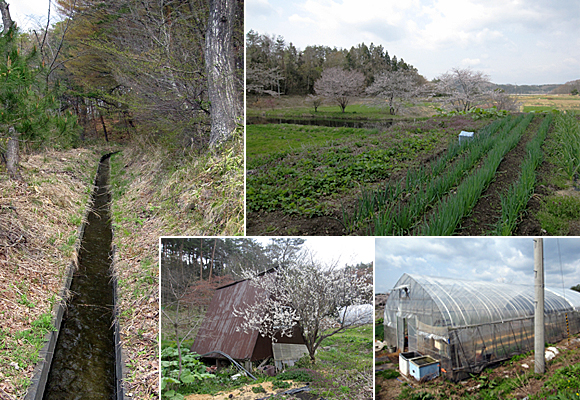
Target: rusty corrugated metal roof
218, 330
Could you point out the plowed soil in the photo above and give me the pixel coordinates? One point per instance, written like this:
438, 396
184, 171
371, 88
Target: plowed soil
487, 211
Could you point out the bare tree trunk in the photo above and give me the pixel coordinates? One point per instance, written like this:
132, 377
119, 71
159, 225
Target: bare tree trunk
219, 61
6, 19
201, 259
12, 155
212, 256
104, 128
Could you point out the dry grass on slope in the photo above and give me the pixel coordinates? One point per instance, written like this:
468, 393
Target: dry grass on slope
39, 222
154, 196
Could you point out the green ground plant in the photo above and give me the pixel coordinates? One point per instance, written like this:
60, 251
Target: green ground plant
19, 350
295, 181
567, 134
515, 200
176, 374
343, 367
388, 374
564, 384
422, 187
558, 212
451, 210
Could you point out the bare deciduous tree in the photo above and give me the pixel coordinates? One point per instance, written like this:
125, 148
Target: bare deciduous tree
339, 85
308, 295
463, 89
180, 315
396, 88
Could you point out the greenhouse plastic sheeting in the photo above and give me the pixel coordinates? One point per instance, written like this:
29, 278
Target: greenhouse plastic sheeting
359, 314
469, 324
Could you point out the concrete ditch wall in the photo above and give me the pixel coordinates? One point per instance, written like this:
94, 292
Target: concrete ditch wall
42, 369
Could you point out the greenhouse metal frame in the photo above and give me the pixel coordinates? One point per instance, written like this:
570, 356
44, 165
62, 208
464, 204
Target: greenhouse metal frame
468, 325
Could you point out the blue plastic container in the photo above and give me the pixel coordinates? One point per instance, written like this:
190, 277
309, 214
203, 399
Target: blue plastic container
424, 368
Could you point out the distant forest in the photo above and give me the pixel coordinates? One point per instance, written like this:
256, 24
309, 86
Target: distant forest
555, 88
277, 67
281, 68
206, 261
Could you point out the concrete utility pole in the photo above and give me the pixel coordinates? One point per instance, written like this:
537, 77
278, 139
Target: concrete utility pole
539, 367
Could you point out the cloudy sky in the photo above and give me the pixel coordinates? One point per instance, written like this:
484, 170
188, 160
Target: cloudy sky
28, 13
513, 41
343, 250
509, 260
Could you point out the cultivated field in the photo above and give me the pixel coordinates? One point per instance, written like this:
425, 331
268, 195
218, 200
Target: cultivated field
414, 178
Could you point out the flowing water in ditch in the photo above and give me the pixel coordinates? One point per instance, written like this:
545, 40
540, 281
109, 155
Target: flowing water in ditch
83, 366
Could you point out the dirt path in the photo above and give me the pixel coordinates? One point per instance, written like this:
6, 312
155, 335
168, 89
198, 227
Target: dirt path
487, 211
245, 393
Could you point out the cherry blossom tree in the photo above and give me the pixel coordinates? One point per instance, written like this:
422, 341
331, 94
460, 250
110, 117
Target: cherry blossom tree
314, 100
261, 80
463, 89
503, 101
339, 85
308, 295
396, 88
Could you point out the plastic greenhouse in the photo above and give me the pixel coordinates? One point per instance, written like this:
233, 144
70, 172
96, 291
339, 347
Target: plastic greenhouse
467, 325
362, 313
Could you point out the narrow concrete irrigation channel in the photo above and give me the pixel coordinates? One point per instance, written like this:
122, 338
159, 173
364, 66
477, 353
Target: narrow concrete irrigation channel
86, 360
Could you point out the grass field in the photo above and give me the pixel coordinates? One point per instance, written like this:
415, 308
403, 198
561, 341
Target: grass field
359, 108
271, 139
543, 103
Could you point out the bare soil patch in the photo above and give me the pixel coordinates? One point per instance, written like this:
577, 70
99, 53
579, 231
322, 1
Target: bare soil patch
388, 389
245, 393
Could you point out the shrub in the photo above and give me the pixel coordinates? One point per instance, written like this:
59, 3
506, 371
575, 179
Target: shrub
388, 374
300, 375
258, 389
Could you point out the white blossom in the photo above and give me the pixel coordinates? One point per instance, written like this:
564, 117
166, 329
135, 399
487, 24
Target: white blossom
308, 296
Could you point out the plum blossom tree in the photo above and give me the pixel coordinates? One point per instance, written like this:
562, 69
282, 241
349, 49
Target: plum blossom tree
396, 88
463, 89
308, 295
339, 85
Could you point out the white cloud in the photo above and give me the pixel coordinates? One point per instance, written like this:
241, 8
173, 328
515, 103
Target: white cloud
437, 35
295, 18
508, 260
470, 61
260, 8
